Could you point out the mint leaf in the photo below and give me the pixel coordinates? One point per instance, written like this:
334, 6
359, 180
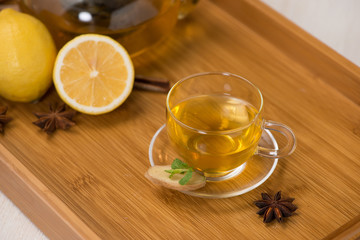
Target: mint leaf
187, 177
178, 164
179, 167
175, 171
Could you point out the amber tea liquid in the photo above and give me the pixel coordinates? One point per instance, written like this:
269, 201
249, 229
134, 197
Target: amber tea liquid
223, 141
136, 24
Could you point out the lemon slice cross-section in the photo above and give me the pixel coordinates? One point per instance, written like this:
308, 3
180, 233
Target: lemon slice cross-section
93, 74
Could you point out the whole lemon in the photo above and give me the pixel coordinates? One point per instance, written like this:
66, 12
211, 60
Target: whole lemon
27, 55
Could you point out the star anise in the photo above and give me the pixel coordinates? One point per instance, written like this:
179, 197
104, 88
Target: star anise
3, 118
275, 208
56, 118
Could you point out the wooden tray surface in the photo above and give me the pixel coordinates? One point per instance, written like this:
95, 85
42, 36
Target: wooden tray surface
88, 182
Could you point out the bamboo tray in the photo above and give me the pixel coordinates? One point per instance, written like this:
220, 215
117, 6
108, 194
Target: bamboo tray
88, 182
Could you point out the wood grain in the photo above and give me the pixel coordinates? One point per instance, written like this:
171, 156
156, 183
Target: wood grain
95, 170
40, 203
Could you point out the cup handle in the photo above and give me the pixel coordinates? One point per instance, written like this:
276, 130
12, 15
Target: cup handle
283, 151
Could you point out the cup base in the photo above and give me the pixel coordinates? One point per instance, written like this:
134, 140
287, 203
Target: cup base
245, 178
231, 174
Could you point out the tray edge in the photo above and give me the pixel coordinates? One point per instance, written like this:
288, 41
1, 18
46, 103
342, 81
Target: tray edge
298, 44
33, 198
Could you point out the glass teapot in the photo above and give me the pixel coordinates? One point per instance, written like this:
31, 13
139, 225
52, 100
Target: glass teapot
136, 24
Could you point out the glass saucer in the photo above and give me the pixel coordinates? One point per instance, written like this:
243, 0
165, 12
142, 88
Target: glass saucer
250, 175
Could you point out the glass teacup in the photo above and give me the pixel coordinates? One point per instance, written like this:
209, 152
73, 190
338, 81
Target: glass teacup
214, 121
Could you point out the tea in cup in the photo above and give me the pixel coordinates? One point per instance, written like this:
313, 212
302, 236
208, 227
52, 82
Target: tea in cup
214, 122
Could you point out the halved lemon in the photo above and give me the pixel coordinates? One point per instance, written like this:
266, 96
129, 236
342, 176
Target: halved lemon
93, 74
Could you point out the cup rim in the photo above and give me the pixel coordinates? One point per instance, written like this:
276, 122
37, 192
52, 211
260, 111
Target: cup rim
207, 131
